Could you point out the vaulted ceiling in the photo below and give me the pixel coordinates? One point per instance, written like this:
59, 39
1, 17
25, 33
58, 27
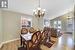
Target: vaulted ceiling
53, 8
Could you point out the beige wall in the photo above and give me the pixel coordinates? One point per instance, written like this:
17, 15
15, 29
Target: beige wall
63, 19
37, 23
0, 27
63, 24
74, 28
11, 24
74, 31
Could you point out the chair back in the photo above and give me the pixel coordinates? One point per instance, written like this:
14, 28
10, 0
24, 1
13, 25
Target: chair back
48, 30
44, 34
53, 32
24, 31
39, 35
31, 30
36, 39
45, 29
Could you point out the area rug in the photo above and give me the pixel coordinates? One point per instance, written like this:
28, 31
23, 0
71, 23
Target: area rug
49, 44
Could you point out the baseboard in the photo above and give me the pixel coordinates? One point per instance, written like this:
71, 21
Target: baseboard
1, 45
8, 41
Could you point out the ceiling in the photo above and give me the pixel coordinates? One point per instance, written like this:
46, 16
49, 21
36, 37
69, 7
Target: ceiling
54, 8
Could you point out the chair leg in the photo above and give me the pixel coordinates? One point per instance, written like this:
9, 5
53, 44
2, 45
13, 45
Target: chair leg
21, 41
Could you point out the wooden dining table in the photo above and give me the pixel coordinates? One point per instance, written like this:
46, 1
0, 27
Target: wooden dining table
27, 37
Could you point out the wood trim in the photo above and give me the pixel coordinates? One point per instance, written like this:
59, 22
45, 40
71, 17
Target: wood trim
8, 42
1, 45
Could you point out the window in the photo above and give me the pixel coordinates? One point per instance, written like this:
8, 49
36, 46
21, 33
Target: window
46, 23
57, 25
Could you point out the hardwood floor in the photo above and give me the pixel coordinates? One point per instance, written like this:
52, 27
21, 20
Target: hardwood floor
64, 42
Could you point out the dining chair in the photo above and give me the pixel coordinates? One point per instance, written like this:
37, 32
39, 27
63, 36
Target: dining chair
46, 38
45, 28
49, 34
54, 32
43, 37
32, 30
23, 31
48, 30
34, 44
39, 36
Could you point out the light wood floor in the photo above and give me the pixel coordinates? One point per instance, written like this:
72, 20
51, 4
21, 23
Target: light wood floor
64, 42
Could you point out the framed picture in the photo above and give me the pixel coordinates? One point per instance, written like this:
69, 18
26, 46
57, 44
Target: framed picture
25, 22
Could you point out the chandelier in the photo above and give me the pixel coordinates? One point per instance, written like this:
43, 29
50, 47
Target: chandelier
39, 12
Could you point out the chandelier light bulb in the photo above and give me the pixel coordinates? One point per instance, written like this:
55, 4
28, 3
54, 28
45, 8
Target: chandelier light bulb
39, 8
34, 10
44, 10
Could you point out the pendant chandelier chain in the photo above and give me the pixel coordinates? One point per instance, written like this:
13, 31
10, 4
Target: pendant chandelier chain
39, 3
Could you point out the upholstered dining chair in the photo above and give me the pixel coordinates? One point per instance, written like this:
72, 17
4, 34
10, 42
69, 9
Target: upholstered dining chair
39, 36
54, 32
34, 44
48, 32
32, 30
46, 38
23, 31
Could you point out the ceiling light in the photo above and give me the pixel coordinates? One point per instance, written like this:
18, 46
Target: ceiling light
39, 12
